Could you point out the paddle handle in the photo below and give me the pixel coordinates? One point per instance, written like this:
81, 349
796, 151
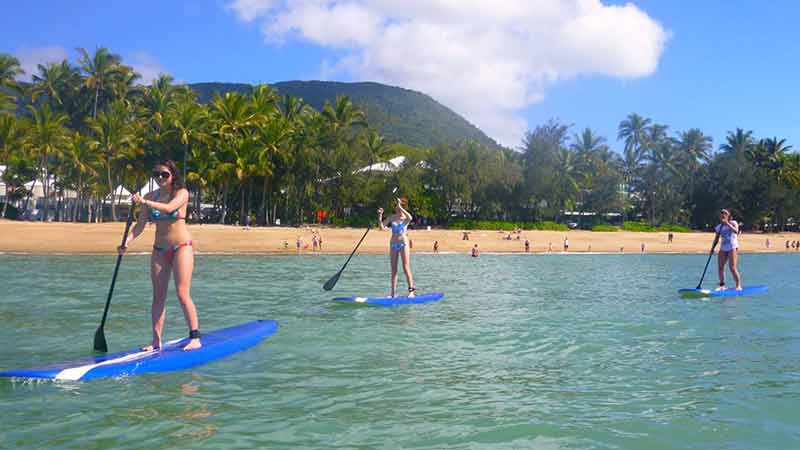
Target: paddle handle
116, 268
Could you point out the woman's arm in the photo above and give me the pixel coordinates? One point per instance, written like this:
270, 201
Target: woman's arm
733, 225
181, 198
141, 221
381, 221
407, 218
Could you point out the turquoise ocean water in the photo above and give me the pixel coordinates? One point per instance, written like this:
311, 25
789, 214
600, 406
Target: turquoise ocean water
525, 351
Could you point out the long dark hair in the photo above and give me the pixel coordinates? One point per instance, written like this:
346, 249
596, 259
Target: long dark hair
177, 178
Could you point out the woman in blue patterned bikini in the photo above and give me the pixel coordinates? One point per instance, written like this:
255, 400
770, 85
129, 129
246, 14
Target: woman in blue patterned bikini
398, 245
172, 250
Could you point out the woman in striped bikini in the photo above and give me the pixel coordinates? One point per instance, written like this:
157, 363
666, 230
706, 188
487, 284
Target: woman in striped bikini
399, 245
172, 249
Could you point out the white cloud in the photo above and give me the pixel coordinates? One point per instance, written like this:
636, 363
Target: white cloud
31, 57
145, 65
486, 60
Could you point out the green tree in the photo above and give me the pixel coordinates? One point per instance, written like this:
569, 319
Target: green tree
46, 138
112, 135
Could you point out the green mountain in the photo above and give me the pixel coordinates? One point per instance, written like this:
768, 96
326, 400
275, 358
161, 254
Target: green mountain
401, 115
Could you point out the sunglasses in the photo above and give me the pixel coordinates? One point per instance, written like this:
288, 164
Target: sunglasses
160, 174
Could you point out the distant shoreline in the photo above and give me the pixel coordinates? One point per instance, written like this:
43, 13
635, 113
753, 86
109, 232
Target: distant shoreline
59, 238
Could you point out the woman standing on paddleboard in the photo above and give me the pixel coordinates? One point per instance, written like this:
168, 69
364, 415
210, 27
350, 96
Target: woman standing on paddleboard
172, 249
728, 232
399, 245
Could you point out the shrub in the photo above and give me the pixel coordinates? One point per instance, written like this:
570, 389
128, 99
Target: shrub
467, 224
605, 227
674, 227
638, 227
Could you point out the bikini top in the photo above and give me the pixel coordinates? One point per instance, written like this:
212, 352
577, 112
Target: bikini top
157, 215
398, 228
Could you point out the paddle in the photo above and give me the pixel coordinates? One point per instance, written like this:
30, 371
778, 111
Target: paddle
332, 282
99, 335
710, 254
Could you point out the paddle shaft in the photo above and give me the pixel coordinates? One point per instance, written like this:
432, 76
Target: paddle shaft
329, 285
116, 271
710, 254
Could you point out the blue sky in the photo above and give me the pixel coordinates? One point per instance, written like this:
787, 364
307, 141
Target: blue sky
723, 65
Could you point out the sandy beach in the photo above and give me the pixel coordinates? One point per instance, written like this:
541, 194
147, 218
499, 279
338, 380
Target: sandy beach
81, 238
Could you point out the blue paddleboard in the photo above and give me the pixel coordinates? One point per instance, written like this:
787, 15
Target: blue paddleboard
216, 344
730, 292
392, 301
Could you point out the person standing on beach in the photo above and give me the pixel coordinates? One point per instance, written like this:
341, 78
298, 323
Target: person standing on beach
566, 244
398, 245
728, 232
435, 246
527, 246
475, 252
172, 250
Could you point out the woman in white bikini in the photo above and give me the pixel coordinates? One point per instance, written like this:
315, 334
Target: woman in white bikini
728, 232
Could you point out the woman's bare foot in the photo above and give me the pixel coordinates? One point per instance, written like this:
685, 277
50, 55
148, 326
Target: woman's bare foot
154, 346
193, 344
412, 292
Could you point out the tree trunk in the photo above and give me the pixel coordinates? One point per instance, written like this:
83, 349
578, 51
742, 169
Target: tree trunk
263, 209
45, 188
111, 190
224, 203
96, 95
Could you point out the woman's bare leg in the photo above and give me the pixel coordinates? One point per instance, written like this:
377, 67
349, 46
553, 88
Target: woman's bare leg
159, 275
722, 258
182, 267
732, 260
393, 255
407, 269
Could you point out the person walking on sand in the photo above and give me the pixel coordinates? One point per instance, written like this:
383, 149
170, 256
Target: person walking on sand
172, 253
527, 246
566, 244
643, 247
435, 246
669, 237
399, 247
728, 231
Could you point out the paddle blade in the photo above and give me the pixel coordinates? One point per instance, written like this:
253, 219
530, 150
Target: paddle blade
332, 282
100, 341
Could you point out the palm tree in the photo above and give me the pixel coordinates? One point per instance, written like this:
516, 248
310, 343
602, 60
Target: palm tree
11, 137
770, 154
633, 130
101, 69
737, 143
113, 135
53, 81
231, 122
588, 142
85, 162
9, 70
46, 138
271, 140
189, 120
